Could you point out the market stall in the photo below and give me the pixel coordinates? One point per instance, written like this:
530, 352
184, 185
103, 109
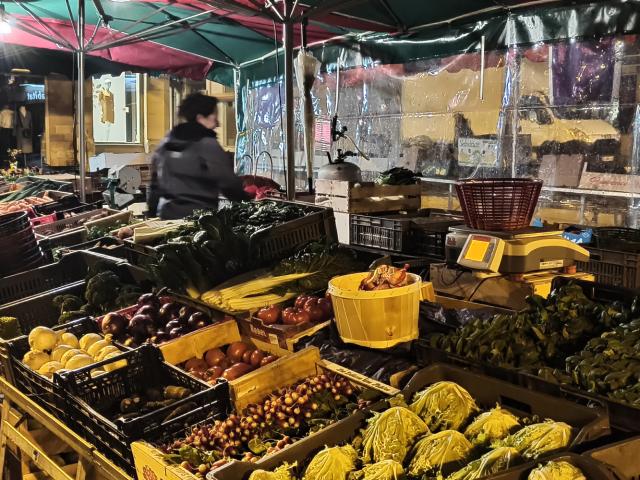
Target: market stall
247, 340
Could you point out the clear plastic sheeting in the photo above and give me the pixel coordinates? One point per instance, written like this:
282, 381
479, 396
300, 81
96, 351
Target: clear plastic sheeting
565, 112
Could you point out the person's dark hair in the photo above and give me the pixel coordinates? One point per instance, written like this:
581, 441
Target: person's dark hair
197, 104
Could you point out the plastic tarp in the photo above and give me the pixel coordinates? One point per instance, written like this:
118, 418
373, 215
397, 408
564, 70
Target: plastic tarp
554, 95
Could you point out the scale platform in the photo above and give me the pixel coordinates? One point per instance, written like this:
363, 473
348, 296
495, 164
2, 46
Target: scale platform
529, 232
500, 291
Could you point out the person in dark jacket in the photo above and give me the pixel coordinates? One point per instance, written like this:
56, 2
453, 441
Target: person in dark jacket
189, 169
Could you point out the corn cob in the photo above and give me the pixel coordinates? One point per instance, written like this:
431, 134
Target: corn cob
253, 303
252, 287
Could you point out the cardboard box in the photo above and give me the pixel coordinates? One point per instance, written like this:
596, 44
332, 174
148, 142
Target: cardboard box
561, 170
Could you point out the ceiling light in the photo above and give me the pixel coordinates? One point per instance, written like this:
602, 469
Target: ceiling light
5, 27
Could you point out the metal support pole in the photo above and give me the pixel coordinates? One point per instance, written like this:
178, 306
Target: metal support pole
82, 144
288, 93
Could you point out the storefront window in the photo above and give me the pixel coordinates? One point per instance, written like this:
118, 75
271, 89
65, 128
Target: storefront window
116, 108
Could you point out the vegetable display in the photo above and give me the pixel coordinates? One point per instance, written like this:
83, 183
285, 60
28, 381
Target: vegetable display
333, 463
306, 308
444, 405
567, 339
283, 472
556, 470
155, 399
494, 461
253, 294
105, 291
397, 176
9, 328
491, 426
385, 277
378, 444
434, 453
52, 351
539, 438
215, 246
155, 320
22, 205
248, 218
239, 359
397, 443
322, 261
287, 414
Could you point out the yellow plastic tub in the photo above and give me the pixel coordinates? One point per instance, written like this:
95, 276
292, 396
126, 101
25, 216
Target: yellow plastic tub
378, 319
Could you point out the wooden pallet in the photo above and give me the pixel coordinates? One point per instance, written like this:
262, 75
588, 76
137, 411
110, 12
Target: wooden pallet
367, 197
40, 441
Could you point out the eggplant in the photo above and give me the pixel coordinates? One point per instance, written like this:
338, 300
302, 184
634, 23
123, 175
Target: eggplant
177, 332
149, 299
148, 310
167, 312
198, 320
172, 324
185, 312
139, 325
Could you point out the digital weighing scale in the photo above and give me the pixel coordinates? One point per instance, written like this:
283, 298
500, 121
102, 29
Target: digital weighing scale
503, 268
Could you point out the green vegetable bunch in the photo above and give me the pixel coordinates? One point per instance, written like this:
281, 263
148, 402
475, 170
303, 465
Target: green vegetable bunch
543, 335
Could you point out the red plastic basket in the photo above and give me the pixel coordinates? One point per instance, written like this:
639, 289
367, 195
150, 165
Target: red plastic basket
498, 203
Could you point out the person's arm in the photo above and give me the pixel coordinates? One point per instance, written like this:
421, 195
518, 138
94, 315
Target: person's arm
228, 182
153, 193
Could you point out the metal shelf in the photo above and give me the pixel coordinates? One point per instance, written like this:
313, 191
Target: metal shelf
573, 191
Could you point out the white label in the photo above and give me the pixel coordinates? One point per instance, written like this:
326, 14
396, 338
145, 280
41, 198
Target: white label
477, 152
552, 264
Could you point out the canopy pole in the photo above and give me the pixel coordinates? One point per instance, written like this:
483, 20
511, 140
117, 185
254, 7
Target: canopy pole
288, 92
82, 157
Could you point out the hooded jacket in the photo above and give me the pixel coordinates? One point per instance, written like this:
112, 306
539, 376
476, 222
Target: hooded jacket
189, 170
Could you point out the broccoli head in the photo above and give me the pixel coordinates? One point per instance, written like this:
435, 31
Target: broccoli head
9, 328
101, 266
71, 303
102, 290
66, 317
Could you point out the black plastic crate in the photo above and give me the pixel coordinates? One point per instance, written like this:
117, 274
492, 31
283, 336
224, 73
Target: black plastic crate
612, 267
621, 239
279, 241
39, 310
89, 400
422, 233
614, 256
83, 207
72, 268
592, 470
109, 246
621, 457
61, 201
38, 387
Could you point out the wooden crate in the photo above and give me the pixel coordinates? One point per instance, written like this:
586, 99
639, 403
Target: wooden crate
367, 197
38, 439
149, 460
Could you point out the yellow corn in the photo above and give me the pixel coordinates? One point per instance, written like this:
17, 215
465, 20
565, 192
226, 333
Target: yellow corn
252, 287
252, 303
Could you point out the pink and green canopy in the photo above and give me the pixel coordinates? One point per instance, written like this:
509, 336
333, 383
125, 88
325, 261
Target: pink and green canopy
192, 38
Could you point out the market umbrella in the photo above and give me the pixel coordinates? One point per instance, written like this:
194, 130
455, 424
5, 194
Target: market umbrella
307, 68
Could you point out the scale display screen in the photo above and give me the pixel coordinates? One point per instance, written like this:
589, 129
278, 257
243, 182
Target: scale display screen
482, 252
477, 250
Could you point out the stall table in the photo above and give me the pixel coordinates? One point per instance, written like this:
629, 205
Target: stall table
46, 437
